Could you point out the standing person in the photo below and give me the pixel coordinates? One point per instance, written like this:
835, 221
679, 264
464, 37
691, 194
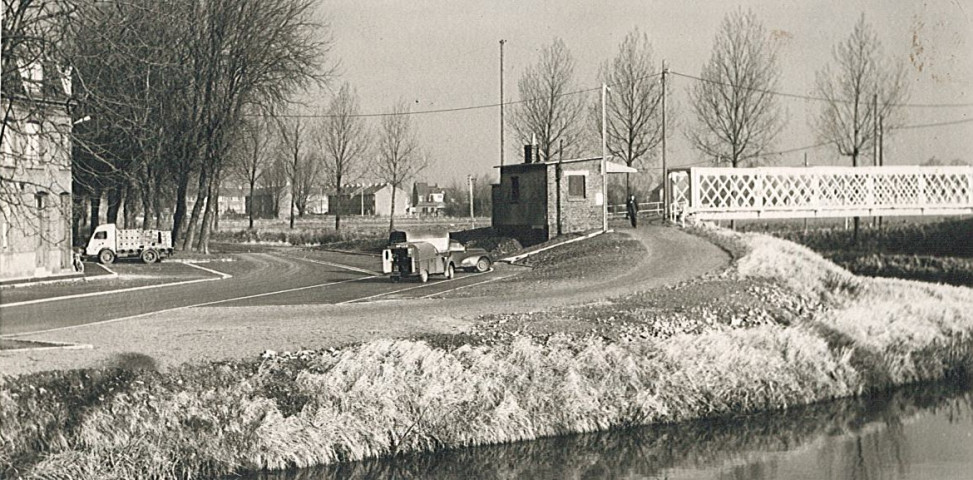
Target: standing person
632, 209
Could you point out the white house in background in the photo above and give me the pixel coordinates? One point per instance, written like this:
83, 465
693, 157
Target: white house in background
369, 199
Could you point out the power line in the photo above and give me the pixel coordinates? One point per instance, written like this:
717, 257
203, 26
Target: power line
446, 110
819, 99
935, 124
423, 112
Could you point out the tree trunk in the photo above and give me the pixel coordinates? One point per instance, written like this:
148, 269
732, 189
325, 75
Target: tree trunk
392, 212
193, 222
202, 245
337, 211
179, 216
95, 208
251, 206
114, 204
157, 202
131, 202
146, 182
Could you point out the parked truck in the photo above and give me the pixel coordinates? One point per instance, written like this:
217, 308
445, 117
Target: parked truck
108, 243
422, 252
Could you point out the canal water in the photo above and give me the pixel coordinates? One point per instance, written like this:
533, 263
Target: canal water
920, 433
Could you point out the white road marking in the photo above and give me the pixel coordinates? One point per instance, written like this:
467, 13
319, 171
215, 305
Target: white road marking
423, 285
173, 309
103, 267
388, 293
336, 265
578, 239
223, 276
210, 270
498, 277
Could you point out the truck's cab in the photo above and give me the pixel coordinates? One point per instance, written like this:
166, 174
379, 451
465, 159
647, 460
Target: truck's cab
102, 238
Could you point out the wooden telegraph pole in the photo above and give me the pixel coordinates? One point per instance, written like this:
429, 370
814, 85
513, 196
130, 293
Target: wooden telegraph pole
665, 168
501, 102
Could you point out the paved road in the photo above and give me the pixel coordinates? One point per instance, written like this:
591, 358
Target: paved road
280, 276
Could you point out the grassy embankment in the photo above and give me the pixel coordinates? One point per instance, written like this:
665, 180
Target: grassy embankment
928, 251
391, 397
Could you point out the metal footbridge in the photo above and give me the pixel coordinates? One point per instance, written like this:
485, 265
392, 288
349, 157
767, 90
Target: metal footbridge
710, 193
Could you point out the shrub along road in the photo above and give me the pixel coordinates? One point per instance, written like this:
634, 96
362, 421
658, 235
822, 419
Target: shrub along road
292, 299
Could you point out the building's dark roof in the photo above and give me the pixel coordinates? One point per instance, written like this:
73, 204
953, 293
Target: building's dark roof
423, 189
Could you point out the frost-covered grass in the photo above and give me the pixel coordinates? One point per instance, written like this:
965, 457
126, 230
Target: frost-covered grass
394, 397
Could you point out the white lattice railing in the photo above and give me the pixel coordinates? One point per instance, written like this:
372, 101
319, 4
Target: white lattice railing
796, 192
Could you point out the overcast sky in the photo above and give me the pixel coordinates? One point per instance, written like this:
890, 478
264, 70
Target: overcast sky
445, 54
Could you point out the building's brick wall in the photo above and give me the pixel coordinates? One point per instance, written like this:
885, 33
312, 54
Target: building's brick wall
536, 213
577, 214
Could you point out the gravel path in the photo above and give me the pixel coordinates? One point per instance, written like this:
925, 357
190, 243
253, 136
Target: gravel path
215, 333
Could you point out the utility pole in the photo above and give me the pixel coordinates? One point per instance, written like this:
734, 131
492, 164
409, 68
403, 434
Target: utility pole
501, 102
604, 157
805, 166
665, 168
874, 129
469, 179
874, 139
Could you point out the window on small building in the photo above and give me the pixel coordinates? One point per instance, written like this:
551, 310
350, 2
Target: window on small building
576, 186
514, 189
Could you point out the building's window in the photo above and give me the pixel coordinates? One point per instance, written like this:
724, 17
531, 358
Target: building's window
42, 218
32, 141
515, 189
576, 186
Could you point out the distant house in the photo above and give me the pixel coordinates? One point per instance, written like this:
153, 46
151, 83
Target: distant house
537, 201
369, 199
428, 200
233, 199
35, 162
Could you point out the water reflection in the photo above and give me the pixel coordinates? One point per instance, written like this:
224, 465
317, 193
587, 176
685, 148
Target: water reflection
924, 432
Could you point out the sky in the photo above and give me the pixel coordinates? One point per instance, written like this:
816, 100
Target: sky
438, 54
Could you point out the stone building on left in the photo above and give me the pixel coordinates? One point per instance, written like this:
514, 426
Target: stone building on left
35, 171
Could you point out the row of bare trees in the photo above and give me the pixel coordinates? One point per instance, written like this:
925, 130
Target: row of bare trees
326, 151
167, 87
735, 98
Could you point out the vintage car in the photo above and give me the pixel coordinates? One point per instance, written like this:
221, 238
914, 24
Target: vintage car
424, 252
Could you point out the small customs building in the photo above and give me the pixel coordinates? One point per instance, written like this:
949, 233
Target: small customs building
535, 202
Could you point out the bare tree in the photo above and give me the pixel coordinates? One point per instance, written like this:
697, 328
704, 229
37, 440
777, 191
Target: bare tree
861, 76
252, 156
399, 159
302, 167
344, 140
275, 182
737, 114
860, 92
634, 107
551, 110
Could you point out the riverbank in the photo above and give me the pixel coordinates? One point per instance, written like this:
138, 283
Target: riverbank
390, 397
